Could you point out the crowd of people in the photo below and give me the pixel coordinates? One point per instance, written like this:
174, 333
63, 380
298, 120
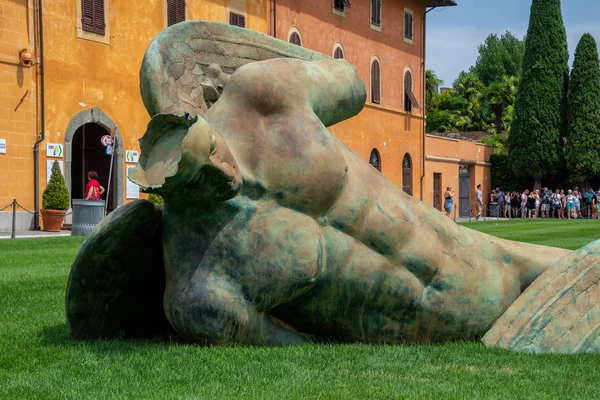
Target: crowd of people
547, 204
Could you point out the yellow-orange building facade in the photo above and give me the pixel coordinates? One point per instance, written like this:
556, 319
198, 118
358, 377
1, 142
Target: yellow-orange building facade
91, 83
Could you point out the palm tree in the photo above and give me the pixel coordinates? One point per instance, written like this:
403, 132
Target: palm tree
432, 82
500, 95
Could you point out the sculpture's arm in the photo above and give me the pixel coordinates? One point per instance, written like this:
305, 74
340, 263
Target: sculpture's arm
117, 280
213, 310
331, 88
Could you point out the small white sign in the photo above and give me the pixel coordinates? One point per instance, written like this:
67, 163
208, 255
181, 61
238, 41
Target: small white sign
49, 164
133, 190
54, 150
131, 156
2, 146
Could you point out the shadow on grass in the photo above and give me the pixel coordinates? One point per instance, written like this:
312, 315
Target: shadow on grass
57, 336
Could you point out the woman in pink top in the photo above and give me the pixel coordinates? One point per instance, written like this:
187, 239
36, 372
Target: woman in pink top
93, 189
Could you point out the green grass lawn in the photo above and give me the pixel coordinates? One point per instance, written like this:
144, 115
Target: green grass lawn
38, 361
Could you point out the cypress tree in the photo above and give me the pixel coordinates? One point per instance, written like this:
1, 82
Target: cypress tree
540, 110
582, 152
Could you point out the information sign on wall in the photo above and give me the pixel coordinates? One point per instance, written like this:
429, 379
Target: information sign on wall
2, 146
133, 190
131, 156
54, 150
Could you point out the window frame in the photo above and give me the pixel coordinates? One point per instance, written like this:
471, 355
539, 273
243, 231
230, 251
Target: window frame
376, 27
409, 11
338, 46
93, 36
340, 11
294, 30
410, 100
373, 99
185, 11
238, 14
377, 154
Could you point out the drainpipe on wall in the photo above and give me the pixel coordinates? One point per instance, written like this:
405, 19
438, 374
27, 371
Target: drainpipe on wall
41, 136
423, 97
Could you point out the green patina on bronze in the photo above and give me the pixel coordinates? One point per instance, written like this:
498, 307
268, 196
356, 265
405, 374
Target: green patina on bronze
559, 312
273, 229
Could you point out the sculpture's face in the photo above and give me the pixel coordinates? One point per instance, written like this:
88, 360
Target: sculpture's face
186, 158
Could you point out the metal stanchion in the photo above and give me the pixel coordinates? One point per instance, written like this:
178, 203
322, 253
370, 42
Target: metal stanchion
14, 218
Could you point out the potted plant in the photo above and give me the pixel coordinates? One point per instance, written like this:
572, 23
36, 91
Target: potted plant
55, 201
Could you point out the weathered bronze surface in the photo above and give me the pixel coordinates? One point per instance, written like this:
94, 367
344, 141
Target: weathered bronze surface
273, 229
559, 312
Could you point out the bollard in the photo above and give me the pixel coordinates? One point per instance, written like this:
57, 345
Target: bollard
14, 218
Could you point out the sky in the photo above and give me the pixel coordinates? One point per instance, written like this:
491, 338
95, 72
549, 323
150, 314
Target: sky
455, 33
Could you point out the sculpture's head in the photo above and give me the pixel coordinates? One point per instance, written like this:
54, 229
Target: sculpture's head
185, 157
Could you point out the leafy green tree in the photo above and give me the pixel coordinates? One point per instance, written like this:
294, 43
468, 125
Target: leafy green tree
534, 141
56, 194
449, 112
582, 152
499, 57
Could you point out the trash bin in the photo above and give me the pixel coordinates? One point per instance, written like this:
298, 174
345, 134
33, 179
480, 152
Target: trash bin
86, 215
494, 210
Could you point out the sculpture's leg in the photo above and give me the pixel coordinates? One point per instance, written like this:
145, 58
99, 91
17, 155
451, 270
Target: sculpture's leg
213, 310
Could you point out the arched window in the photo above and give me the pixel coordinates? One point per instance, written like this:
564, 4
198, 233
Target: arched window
410, 100
338, 52
295, 38
375, 82
407, 174
374, 160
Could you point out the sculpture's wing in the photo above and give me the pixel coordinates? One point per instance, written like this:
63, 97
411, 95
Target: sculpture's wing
559, 312
187, 65
117, 280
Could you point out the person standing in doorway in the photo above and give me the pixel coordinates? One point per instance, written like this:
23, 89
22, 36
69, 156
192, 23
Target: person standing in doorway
478, 202
93, 189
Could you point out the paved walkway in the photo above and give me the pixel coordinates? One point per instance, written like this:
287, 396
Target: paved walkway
33, 234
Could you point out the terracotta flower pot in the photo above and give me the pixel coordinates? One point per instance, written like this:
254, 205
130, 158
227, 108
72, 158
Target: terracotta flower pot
52, 220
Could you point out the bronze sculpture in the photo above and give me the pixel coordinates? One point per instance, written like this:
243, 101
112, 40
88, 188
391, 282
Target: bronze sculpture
273, 229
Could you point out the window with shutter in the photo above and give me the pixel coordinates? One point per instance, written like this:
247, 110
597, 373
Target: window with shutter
92, 16
408, 25
410, 99
295, 38
338, 5
237, 19
376, 12
375, 83
175, 11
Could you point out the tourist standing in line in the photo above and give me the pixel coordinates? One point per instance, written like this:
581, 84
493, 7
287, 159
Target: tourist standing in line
570, 203
524, 196
556, 204
546, 199
577, 201
507, 205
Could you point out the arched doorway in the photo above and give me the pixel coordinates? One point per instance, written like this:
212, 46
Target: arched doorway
375, 159
88, 154
93, 116
407, 174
